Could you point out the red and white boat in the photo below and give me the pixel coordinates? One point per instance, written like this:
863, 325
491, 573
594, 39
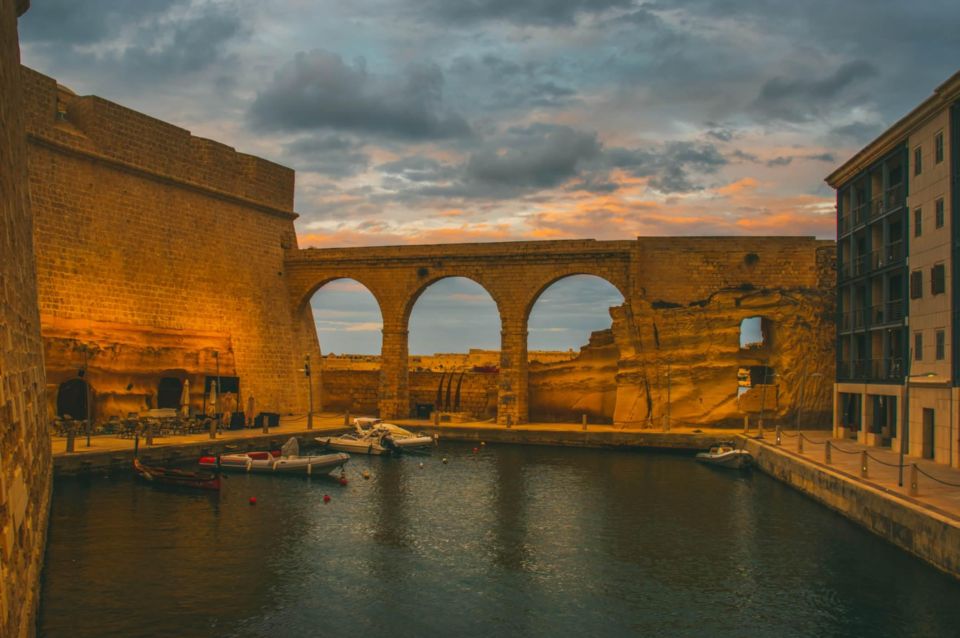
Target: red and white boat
285, 461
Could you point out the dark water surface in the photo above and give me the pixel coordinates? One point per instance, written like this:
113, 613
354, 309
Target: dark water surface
517, 541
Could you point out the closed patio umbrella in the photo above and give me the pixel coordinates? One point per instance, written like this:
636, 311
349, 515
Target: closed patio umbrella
251, 404
185, 399
213, 397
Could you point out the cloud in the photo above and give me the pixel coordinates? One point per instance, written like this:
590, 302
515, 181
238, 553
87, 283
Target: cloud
801, 99
522, 12
69, 22
318, 90
332, 155
670, 165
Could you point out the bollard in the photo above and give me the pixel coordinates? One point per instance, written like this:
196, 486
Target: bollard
914, 478
87, 426
346, 418
149, 432
799, 443
436, 418
759, 428
213, 429
584, 419
509, 420
826, 453
70, 437
746, 424
863, 464
265, 424
778, 435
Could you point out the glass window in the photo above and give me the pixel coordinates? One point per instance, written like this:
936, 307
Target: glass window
941, 345
938, 208
938, 279
917, 222
916, 284
938, 148
917, 161
918, 346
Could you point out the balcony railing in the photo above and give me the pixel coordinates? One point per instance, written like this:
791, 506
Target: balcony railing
889, 312
892, 255
887, 369
894, 198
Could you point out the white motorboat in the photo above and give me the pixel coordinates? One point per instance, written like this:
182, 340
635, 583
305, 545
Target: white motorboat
726, 455
287, 460
402, 438
360, 444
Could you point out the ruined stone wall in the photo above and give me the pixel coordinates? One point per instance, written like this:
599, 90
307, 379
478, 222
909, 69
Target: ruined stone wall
155, 250
25, 467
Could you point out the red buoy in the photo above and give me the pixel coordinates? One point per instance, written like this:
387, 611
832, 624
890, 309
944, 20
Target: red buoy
326, 498
253, 500
343, 480
475, 450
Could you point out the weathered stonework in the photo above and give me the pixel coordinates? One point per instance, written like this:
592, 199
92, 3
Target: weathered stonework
25, 466
684, 300
158, 254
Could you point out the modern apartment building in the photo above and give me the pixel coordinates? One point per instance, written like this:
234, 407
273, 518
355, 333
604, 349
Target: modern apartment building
898, 263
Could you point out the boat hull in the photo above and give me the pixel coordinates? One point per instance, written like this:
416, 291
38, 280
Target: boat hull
353, 446
169, 477
736, 459
278, 465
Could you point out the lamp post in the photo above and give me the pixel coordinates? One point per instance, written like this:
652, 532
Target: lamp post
803, 384
668, 397
216, 403
306, 373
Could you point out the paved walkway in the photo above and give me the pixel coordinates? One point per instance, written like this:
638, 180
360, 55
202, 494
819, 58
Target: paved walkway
937, 487
107, 443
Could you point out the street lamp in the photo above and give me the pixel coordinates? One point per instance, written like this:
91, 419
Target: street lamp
667, 424
306, 373
803, 384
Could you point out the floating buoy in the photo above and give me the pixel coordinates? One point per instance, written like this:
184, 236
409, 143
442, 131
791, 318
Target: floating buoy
421, 465
475, 450
482, 444
326, 498
365, 474
343, 481
444, 460
253, 500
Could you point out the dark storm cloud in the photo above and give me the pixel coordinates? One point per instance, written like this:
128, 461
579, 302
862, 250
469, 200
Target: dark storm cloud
71, 22
132, 41
492, 82
523, 12
318, 90
800, 99
332, 155
671, 167
419, 169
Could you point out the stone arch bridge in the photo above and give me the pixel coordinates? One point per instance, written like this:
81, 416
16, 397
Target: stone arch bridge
514, 274
665, 281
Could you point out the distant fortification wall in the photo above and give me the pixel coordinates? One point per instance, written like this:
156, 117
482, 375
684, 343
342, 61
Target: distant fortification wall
159, 255
25, 468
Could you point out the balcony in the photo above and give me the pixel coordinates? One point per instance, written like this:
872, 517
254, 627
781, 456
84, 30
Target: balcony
894, 198
889, 369
885, 313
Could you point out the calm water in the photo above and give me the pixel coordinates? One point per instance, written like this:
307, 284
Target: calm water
516, 541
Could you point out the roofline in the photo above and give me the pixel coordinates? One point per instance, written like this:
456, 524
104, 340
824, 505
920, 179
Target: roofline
942, 97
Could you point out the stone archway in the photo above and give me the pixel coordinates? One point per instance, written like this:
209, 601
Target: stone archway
73, 399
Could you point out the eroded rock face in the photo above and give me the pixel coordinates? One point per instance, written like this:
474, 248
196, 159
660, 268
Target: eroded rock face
700, 342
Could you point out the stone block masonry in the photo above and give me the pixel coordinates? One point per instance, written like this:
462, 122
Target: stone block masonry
25, 465
158, 255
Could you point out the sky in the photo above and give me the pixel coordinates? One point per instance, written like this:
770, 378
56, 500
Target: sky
435, 121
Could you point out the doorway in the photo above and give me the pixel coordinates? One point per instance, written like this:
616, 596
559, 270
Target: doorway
928, 431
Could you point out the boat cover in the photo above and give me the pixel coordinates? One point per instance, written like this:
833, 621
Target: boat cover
291, 447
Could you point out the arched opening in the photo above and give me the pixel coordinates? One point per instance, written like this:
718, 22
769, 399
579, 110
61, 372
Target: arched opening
73, 398
349, 328
572, 352
454, 351
169, 392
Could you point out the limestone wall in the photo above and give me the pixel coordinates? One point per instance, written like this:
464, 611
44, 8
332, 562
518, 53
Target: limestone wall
25, 467
158, 254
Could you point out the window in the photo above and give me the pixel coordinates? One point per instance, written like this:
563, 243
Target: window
917, 161
941, 344
938, 148
918, 346
938, 208
938, 283
916, 284
917, 222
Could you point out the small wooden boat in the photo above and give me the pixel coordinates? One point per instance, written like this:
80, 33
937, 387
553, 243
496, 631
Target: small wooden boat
285, 461
173, 477
726, 455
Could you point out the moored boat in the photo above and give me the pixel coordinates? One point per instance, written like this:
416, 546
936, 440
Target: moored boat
357, 444
172, 477
402, 438
284, 461
726, 455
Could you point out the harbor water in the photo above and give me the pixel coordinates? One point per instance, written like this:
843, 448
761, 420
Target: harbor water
507, 541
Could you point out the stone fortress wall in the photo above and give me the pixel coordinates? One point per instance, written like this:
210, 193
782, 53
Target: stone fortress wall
25, 466
159, 255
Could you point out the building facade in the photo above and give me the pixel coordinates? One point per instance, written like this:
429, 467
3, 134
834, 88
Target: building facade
898, 288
